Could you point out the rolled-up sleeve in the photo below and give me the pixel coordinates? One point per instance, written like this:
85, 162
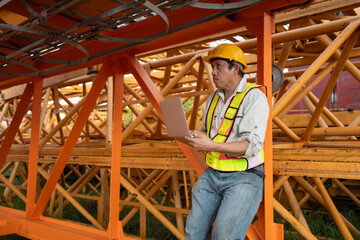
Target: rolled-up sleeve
253, 121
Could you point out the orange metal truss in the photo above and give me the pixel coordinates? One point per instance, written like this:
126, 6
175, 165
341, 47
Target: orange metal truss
258, 19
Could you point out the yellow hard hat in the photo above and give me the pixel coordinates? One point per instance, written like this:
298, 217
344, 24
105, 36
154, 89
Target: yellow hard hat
227, 51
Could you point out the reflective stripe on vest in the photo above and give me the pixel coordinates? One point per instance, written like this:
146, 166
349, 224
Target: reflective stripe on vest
218, 160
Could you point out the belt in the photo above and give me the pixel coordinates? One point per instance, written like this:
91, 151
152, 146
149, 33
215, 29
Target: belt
252, 170
257, 172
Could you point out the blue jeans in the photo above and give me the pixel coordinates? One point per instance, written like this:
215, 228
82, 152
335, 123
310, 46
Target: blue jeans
233, 198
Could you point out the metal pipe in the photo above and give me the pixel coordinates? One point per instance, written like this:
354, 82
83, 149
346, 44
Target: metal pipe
333, 78
332, 209
314, 67
294, 205
293, 221
315, 194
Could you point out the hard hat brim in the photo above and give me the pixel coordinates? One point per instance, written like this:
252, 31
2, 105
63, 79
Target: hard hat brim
209, 57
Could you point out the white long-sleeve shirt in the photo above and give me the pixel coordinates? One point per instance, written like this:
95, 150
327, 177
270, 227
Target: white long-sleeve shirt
251, 119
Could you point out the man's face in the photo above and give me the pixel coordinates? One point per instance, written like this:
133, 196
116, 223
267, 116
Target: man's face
222, 75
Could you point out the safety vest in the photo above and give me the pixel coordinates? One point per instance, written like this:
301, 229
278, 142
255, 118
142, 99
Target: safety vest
221, 161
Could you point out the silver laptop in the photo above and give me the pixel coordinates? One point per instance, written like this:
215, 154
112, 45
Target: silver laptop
175, 120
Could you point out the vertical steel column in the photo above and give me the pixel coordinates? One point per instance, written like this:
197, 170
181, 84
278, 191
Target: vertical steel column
115, 227
265, 77
264, 29
34, 146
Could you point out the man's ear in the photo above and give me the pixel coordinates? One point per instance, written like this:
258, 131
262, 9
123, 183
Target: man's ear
236, 68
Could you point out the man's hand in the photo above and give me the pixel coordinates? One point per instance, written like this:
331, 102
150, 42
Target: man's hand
200, 141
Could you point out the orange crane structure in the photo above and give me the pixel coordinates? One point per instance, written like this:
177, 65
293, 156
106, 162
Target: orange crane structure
116, 57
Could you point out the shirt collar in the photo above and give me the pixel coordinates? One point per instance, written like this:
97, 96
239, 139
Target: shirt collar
241, 87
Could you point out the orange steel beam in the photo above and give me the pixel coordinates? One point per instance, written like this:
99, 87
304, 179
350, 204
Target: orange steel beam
314, 67
38, 228
145, 82
144, 28
196, 158
154, 95
333, 210
57, 20
48, 228
273, 5
331, 83
263, 27
75, 132
15, 123
217, 25
115, 227
34, 147
147, 27
264, 52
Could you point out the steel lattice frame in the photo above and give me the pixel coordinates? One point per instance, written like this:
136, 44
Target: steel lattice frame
149, 170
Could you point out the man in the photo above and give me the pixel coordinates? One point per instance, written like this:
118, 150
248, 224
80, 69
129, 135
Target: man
230, 190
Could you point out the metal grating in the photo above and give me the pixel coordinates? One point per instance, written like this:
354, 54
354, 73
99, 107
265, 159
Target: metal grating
31, 41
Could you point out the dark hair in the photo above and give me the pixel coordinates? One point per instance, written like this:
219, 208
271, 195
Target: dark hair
231, 64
